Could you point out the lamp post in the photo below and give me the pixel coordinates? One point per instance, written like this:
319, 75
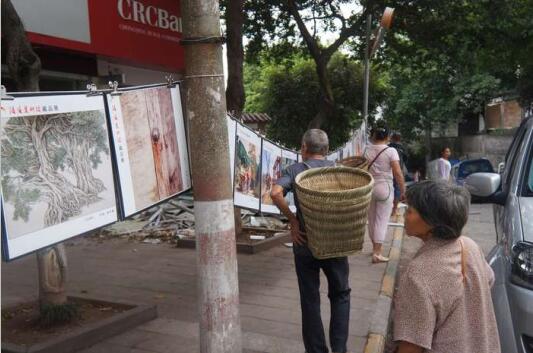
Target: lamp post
371, 47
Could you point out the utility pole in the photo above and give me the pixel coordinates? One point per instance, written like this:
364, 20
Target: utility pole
218, 290
370, 50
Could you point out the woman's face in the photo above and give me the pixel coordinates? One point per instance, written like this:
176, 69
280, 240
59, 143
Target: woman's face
415, 226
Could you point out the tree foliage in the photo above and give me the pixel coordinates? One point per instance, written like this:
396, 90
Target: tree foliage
288, 90
447, 58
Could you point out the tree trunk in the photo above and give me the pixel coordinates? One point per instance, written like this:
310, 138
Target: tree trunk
218, 286
24, 67
327, 101
235, 97
85, 180
52, 264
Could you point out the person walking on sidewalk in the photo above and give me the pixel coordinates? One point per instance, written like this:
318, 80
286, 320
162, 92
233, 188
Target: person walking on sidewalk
396, 143
384, 166
315, 147
443, 303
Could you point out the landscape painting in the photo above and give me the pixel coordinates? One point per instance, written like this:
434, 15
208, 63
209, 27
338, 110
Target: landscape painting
57, 174
247, 169
270, 172
150, 145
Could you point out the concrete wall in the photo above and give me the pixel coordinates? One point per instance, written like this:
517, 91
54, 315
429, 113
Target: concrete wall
492, 147
503, 115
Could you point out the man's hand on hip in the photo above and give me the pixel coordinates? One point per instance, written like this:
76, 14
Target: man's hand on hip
298, 237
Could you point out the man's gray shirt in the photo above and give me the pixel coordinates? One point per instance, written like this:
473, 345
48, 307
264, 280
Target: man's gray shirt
288, 180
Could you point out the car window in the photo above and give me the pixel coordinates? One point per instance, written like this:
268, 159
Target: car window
468, 168
530, 179
528, 187
510, 163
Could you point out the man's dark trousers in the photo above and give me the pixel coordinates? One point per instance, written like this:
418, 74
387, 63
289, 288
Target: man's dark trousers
308, 272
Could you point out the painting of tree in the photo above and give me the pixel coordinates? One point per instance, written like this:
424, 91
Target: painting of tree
51, 160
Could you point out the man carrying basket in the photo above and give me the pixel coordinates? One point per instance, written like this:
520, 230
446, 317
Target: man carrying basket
314, 148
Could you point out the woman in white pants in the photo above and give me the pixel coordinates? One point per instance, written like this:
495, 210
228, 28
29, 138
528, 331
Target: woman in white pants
384, 166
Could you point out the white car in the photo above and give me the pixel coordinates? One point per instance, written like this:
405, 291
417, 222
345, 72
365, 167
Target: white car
511, 192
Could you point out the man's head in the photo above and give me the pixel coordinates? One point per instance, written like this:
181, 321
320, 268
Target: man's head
314, 142
396, 137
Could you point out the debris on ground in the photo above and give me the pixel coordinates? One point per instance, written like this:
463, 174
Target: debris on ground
173, 220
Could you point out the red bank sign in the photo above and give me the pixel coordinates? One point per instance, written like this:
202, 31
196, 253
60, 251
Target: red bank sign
143, 32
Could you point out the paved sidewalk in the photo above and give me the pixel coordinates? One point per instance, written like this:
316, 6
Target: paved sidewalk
118, 269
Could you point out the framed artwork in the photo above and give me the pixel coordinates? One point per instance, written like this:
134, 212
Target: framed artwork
150, 144
232, 130
333, 156
348, 149
270, 172
289, 158
57, 171
360, 140
247, 184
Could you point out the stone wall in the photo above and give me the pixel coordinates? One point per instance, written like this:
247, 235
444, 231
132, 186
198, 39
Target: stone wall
492, 147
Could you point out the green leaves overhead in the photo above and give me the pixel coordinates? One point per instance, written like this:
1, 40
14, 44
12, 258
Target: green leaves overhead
289, 92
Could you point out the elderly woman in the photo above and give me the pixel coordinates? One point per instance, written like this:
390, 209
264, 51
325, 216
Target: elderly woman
443, 303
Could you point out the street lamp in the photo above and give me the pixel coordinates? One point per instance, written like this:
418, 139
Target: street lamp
384, 25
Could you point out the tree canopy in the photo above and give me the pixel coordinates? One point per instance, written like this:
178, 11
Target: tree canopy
447, 58
288, 90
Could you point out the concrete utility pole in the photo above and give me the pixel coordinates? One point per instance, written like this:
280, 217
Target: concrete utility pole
218, 290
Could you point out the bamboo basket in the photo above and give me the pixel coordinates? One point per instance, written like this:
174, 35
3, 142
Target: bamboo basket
334, 202
355, 162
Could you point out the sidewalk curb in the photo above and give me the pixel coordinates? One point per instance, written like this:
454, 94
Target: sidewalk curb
377, 333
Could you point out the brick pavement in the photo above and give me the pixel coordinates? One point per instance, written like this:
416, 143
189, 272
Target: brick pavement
119, 269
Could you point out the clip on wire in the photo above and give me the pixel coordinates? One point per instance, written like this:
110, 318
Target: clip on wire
3, 94
92, 90
170, 81
114, 86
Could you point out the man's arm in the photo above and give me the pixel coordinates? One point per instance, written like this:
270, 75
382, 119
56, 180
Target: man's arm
398, 176
279, 200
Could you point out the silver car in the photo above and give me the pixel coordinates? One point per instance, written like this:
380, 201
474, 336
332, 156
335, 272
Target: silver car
511, 192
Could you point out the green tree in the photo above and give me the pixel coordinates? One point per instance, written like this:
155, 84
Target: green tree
289, 91
446, 58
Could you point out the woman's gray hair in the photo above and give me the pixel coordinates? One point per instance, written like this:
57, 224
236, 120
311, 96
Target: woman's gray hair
441, 205
316, 141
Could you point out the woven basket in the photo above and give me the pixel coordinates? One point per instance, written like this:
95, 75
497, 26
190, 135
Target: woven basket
334, 202
355, 162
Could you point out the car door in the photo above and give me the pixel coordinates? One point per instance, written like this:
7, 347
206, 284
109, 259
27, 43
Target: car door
507, 177
511, 159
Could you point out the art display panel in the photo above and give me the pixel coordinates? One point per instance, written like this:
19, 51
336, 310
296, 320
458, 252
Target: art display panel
150, 145
57, 173
247, 182
232, 130
332, 156
360, 140
289, 158
348, 149
270, 172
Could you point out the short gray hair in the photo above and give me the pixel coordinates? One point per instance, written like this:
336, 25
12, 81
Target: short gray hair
441, 205
316, 141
